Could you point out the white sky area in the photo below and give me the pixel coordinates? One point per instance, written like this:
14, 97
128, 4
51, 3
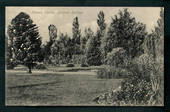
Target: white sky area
62, 17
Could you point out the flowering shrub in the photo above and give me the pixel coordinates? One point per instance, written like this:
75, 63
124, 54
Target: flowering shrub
135, 90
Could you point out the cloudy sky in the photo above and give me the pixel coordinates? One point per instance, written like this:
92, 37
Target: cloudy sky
62, 17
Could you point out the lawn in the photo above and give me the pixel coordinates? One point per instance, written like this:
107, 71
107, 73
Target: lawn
55, 88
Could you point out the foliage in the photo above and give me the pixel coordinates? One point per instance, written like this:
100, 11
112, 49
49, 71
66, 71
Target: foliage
154, 43
26, 39
93, 53
116, 57
125, 32
146, 86
61, 52
47, 47
102, 26
9, 53
78, 59
135, 90
88, 34
100, 32
10, 62
143, 87
76, 36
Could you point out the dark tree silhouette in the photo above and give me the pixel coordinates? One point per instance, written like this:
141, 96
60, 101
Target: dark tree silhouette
76, 36
26, 40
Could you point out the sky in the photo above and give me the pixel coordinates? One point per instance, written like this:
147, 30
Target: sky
62, 17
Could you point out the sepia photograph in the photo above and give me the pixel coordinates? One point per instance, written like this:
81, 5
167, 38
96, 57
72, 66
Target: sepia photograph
84, 56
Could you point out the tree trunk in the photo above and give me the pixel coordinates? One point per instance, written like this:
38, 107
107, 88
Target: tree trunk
29, 70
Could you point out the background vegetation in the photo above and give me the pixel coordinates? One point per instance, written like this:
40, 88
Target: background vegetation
123, 50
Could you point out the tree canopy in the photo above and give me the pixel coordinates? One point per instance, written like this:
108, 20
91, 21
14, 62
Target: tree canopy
26, 39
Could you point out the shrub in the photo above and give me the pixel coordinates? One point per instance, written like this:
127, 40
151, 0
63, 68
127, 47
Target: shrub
11, 64
135, 90
141, 67
70, 65
144, 86
40, 66
117, 57
157, 96
112, 72
84, 65
140, 88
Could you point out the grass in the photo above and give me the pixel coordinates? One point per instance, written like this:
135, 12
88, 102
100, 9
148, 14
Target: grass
52, 88
73, 69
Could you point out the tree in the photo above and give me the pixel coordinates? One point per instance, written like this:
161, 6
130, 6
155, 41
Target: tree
88, 34
10, 62
47, 48
76, 36
93, 53
102, 26
26, 40
125, 32
155, 40
101, 21
60, 50
101, 32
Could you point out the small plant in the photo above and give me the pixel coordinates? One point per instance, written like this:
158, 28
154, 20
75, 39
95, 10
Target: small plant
70, 65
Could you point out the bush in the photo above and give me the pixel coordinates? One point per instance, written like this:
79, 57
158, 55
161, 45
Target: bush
140, 88
70, 65
143, 87
142, 67
40, 66
116, 58
112, 72
11, 64
84, 65
135, 90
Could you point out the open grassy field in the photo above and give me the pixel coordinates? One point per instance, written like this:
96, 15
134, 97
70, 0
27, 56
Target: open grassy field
55, 88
